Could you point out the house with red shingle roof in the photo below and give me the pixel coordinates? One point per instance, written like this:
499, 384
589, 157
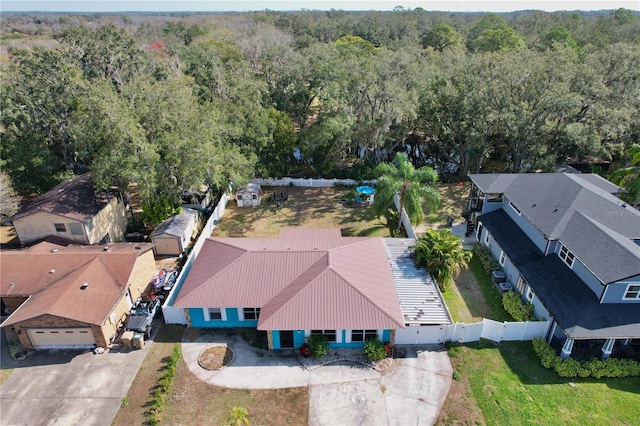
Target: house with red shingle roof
68, 296
306, 281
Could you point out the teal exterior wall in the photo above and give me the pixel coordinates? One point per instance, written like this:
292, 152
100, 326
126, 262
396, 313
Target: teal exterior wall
198, 320
298, 338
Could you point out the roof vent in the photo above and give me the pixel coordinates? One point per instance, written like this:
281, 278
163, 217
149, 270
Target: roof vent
51, 271
138, 248
105, 248
84, 286
54, 250
60, 190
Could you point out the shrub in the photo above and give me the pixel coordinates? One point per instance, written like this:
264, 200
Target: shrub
545, 352
567, 367
374, 349
319, 345
570, 367
519, 310
483, 254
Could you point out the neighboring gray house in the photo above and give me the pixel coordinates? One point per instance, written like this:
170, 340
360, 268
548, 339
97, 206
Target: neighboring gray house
172, 236
569, 246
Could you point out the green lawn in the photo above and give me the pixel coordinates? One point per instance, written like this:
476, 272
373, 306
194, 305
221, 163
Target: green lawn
474, 297
506, 383
512, 388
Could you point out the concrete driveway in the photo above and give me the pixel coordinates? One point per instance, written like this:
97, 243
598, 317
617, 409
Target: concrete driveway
411, 392
66, 387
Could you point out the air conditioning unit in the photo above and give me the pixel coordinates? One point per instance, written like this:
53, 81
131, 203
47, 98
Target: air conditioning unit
498, 277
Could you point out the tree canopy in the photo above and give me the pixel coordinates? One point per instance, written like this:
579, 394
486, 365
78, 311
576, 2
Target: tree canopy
172, 102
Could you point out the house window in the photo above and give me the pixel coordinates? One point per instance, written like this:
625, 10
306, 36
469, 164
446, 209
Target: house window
251, 313
503, 257
76, 229
521, 284
363, 335
633, 292
329, 334
487, 237
566, 256
60, 227
515, 208
215, 314
530, 294
89, 225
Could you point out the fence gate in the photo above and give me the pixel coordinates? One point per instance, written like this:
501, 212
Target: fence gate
492, 330
420, 335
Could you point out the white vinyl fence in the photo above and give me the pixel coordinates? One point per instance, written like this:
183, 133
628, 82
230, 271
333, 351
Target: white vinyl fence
310, 183
173, 315
463, 333
405, 219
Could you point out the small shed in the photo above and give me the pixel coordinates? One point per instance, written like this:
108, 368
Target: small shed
249, 196
172, 236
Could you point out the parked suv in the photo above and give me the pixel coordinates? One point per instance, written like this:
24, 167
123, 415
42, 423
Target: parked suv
141, 316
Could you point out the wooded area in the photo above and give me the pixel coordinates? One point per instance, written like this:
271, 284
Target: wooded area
171, 101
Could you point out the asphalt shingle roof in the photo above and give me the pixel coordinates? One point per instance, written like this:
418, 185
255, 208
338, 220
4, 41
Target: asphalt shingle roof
52, 276
563, 293
555, 203
74, 198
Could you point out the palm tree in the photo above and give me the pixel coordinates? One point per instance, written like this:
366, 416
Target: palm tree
629, 177
442, 254
238, 416
412, 185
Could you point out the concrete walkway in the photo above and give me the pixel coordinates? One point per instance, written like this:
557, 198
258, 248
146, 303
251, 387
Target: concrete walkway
411, 392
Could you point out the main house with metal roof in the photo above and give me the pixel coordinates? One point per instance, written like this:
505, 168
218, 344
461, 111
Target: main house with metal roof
569, 246
306, 281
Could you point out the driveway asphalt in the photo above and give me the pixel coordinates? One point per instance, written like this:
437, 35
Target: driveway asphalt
412, 391
66, 387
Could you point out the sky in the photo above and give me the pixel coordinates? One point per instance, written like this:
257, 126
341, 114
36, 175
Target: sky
255, 5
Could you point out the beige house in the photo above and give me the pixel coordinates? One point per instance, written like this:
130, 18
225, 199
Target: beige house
76, 295
75, 211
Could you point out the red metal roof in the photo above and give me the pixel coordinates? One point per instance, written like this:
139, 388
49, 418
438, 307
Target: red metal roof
305, 279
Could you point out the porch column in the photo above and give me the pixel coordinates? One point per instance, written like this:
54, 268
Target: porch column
607, 348
566, 349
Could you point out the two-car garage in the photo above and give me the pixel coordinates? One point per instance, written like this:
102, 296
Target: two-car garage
64, 336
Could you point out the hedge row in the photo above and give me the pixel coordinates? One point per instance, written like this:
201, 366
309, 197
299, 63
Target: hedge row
156, 406
519, 310
570, 367
483, 254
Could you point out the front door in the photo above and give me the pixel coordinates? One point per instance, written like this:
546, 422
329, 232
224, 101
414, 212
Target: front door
286, 339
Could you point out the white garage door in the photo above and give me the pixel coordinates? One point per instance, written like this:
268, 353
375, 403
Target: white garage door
61, 336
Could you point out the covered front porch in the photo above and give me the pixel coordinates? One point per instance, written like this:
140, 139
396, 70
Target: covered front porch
586, 349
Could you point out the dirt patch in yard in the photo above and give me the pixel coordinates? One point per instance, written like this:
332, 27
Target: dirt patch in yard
304, 207
215, 357
193, 402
